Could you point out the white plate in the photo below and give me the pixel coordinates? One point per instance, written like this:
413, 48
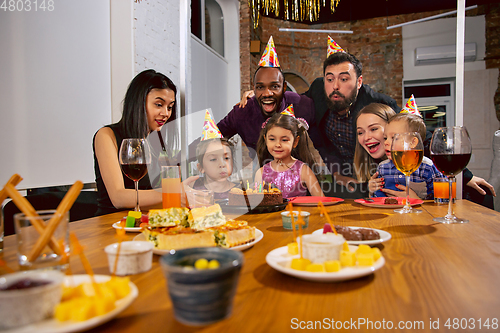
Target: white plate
384, 236
280, 260
52, 325
258, 236
116, 225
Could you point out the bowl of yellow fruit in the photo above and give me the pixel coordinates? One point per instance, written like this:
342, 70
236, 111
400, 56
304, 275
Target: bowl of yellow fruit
202, 283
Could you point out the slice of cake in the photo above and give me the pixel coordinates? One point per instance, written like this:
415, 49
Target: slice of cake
169, 217
207, 217
254, 198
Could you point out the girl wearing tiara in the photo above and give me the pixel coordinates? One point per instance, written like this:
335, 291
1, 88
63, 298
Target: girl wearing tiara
284, 142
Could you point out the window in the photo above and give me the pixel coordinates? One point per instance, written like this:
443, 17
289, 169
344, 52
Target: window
208, 25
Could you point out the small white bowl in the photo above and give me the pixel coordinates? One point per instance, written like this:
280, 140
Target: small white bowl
25, 306
321, 248
135, 257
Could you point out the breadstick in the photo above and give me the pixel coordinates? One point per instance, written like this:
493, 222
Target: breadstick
24, 206
61, 210
14, 180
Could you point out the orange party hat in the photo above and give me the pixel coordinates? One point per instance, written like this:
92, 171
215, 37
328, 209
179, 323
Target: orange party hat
411, 107
269, 57
333, 47
210, 130
289, 111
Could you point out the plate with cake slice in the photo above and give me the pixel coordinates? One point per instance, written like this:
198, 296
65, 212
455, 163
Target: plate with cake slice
204, 237
358, 235
388, 202
313, 201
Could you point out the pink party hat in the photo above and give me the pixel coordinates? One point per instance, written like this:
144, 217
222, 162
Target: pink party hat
269, 57
289, 111
210, 130
411, 107
333, 47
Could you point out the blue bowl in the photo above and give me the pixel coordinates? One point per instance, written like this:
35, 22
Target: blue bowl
202, 297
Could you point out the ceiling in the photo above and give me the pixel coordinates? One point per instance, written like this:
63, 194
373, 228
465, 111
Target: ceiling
350, 10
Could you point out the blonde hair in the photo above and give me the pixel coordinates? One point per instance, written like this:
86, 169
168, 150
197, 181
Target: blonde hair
414, 123
363, 162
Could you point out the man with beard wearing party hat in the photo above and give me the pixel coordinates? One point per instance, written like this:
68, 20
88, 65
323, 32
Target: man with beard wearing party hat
338, 97
270, 97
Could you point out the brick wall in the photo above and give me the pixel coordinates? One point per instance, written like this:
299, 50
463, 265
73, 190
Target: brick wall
378, 49
156, 36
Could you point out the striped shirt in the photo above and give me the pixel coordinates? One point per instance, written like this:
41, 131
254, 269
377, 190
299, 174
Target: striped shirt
420, 180
339, 131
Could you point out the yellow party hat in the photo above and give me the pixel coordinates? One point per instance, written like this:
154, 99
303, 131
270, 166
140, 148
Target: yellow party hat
411, 107
333, 47
269, 57
210, 129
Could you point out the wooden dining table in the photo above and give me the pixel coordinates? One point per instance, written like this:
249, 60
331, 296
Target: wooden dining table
436, 277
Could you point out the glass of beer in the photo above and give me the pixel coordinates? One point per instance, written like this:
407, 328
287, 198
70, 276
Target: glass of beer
171, 186
407, 152
441, 190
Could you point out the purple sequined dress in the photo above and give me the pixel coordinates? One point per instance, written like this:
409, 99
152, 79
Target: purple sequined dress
287, 181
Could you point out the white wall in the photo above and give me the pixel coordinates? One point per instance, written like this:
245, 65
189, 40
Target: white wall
157, 37
441, 32
479, 83
55, 91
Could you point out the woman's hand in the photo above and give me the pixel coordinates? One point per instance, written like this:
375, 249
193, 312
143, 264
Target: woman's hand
246, 96
401, 193
346, 181
476, 181
375, 184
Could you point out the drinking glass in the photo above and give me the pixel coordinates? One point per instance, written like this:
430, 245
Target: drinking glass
407, 152
134, 156
171, 186
451, 149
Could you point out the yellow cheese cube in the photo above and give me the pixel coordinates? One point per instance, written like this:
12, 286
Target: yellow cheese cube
81, 309
347, 258
363, 248
119, 285
376, 253
332, 265
365, 259
103, 305
345, 246
62, 311
85, 289
135, 215
300, 264
316, 267
293, 248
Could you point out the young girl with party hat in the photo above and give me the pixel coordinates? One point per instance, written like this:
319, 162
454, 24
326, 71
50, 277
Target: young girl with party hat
215, 161
284, 141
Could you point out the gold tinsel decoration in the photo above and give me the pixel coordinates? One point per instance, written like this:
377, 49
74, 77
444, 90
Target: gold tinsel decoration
300, 10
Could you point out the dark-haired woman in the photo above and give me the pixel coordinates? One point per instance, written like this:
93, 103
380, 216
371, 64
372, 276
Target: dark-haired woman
149, 103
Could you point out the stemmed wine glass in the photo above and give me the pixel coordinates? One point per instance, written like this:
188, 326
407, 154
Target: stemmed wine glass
451, 149
134, 156
407, 152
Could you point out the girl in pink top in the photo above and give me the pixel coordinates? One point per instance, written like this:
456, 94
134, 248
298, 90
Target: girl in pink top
285, 158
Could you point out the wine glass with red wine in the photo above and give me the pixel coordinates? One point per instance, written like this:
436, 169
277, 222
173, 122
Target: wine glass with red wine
134, 156
451, 149
407, 152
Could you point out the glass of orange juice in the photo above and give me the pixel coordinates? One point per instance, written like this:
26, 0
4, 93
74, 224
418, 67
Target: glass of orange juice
442, 190
171, 187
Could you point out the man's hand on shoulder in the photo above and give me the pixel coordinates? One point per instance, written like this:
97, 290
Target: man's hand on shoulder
246, 96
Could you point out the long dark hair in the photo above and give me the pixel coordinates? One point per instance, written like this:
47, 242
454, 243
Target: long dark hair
134, 123
301, 152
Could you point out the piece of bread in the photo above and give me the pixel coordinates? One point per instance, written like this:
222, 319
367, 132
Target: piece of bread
234, 233
169, 217
207, 217
179, 238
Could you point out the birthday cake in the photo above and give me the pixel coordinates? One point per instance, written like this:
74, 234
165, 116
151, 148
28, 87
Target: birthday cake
267, 197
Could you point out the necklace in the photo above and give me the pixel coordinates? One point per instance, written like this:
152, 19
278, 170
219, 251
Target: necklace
281, 164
